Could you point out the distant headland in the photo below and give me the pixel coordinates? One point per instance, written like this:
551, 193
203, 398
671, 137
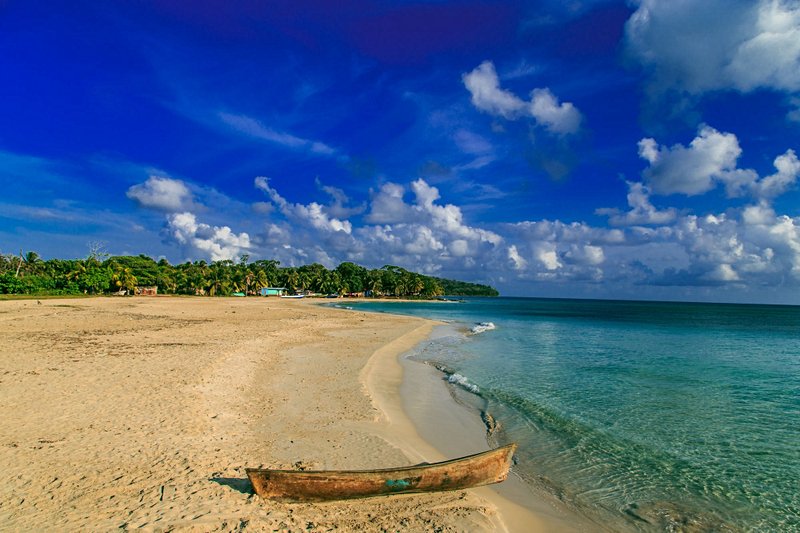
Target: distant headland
99, 273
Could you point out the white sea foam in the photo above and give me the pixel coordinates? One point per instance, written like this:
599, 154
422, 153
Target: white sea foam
480, 327
461, 381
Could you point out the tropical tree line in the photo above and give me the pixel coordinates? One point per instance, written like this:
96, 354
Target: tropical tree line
28, 273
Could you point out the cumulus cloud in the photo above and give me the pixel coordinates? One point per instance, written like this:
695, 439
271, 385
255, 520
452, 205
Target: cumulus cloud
388, 206
558, 118
217, 243
548, 257
711, 158
484, 86
487, 95
420, 232
517, 261
312, 214
707, 45
447, 217
788, 168
161, 193
411, 226
690, 170
749, 247
585, 254
642, 212
770, 55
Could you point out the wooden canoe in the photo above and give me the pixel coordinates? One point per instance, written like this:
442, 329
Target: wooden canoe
322, 485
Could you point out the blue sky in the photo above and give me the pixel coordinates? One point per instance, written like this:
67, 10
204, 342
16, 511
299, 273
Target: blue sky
642, 149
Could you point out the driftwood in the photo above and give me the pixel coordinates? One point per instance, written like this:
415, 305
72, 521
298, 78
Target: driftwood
313, 486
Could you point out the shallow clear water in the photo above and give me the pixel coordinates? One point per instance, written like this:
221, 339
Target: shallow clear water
639, 415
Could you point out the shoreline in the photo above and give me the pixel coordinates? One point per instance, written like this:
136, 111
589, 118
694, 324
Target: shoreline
144, 412
456, 429
430, 425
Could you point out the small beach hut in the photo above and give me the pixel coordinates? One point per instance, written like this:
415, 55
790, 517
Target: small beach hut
273, 291
147, 291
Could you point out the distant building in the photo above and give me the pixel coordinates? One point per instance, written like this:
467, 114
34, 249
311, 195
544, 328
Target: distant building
273, 291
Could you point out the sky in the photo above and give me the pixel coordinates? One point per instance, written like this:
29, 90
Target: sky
585, 149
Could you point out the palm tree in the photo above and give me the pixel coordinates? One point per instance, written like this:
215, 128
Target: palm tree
31, 261
432, 288
292, 278
261, 280
122, 277
219, 281
77, 271
332, 283
373, 282
417, 284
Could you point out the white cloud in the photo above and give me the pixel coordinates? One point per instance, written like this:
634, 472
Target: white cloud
311, 214
387, 205
422, 234
642, 211
562, 252
558, 118
690, 170
254, 128
162, 193
722, 273
484, 87
653, 249
447, 217
788, 168
585, 254
710, 158
517, 261
549, 258
706, 45
421, 240
218, 243
770, 57
459, 248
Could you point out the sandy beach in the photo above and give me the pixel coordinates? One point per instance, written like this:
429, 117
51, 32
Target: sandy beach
144, 412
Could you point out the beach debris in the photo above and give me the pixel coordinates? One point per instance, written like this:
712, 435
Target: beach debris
490, 422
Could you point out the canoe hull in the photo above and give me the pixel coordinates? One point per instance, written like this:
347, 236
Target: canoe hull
314, 486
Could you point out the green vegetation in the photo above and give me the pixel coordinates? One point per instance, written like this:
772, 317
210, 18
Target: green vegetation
462, 288
102, 274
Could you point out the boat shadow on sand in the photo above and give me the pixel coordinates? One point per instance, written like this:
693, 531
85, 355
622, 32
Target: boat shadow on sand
239, 484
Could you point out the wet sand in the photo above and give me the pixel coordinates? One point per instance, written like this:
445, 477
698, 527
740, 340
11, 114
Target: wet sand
143, 413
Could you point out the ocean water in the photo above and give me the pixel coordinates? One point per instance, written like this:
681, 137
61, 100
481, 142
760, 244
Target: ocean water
639, 416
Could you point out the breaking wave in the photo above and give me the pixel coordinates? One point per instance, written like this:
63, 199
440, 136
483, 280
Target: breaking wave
480, 327
456, 379
464, 383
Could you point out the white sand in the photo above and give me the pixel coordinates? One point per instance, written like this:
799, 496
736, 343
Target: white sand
143, 413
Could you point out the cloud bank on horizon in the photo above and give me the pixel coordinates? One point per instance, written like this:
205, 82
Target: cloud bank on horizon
630, 150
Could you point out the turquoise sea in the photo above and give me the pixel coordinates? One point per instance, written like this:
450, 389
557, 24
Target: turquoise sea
639, 416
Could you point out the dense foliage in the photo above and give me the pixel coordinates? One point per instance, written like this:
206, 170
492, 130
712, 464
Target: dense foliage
99, 274
462, 288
